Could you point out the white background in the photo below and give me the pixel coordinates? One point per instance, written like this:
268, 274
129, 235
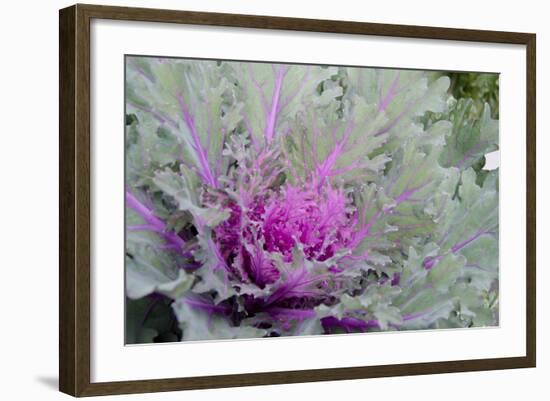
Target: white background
28, 166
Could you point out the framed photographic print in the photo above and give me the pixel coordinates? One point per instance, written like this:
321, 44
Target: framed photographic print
250, 200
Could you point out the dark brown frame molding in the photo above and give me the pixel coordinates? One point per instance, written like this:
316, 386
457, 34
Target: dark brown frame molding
74, 199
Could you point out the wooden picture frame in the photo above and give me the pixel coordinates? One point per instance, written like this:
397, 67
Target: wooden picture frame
75, 201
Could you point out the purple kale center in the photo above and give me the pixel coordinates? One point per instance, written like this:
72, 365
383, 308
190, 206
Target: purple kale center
320, 221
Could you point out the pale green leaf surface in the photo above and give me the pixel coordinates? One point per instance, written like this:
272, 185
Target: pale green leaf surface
200, 325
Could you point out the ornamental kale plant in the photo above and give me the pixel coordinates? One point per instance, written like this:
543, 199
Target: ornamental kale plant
271, 200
